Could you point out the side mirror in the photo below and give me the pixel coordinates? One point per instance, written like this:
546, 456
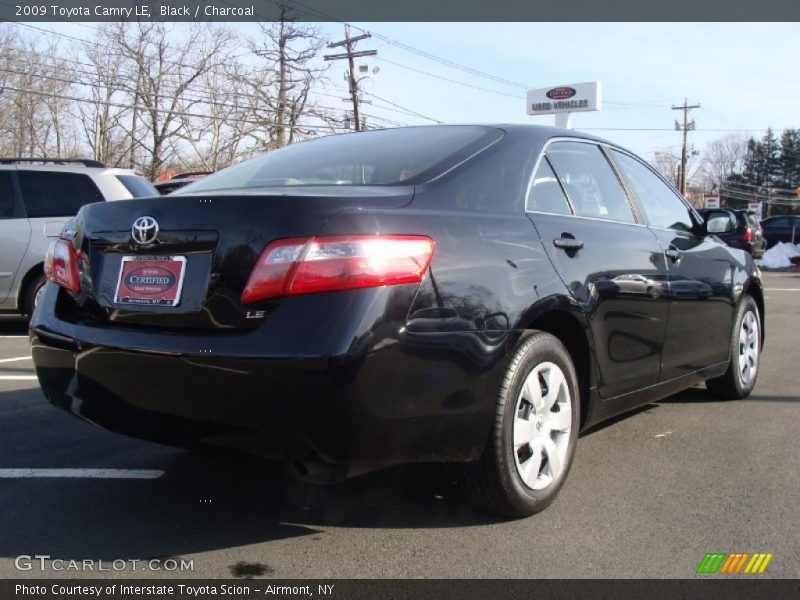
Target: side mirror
719, 222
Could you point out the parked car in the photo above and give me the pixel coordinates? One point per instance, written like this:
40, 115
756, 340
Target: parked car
781, 228
475, 294
178, 181
737, 228
36, 198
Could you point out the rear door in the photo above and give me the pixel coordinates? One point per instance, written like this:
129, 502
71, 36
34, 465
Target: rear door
51, 198
612, 265
700, 272
15, 232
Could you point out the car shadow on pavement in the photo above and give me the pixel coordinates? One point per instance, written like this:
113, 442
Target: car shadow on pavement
10, 325
202, 502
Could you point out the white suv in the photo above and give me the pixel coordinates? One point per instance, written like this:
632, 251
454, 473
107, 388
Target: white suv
37, 197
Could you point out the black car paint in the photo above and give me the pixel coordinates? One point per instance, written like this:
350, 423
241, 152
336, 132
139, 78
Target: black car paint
405, 373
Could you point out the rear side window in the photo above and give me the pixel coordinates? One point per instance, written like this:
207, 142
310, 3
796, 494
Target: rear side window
591, 185
662, 206
137, 186
546, 194
6, 196
53, 194
383, 157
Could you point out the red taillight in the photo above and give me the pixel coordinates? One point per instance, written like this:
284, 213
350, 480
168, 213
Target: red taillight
61, 265
322, 264
748, 234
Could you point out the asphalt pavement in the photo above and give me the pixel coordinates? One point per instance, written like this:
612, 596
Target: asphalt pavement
649, 494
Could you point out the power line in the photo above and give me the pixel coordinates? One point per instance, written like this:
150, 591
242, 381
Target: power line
685, 128
406, 110
443, 78
402, 45
156, 110
350, 43
193, 100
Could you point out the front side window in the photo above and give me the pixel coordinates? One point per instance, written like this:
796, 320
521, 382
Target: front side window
591, 185
54, 194
546, 194
662, 206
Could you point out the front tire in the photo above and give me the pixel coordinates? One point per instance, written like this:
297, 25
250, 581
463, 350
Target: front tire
740, 378
535, 429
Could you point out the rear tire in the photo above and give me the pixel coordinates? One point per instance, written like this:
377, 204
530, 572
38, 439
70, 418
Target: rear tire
740, 378
535, 429
32, 293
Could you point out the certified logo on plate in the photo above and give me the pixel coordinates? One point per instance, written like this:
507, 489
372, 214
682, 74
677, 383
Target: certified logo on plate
150, 280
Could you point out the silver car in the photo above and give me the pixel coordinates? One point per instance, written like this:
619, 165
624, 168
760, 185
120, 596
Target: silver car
36, 198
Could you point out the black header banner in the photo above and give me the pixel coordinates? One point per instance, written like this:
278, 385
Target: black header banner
417, 589
406, 10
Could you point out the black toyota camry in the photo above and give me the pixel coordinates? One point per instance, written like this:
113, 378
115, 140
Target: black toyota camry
471, 294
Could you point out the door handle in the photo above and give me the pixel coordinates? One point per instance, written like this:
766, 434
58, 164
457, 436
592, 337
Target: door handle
568, 244
673, 254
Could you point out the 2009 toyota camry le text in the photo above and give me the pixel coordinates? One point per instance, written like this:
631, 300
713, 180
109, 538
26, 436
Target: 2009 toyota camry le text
468, 294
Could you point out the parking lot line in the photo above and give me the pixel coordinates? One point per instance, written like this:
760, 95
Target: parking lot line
18, 377
81, 473
15, 359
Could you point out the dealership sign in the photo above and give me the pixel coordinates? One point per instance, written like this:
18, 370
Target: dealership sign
575, 97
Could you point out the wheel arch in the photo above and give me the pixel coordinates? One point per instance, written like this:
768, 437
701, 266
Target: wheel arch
573, 331
35, 270
755, 290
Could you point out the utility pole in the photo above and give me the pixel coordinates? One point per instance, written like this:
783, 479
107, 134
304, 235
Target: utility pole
686, 127
349, 43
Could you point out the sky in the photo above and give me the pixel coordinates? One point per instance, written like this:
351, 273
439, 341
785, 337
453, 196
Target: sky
745, 76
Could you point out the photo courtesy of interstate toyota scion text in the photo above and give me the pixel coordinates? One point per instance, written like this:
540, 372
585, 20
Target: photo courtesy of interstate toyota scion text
456, 293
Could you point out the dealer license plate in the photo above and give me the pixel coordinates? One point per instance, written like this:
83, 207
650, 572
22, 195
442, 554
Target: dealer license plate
150, 280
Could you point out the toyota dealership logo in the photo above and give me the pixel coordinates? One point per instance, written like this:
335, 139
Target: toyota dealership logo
561, 93
144, 230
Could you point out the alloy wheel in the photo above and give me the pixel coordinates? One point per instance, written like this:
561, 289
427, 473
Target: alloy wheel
748, 348
542, 424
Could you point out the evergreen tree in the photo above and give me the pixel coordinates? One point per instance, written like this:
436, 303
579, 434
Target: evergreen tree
790, 159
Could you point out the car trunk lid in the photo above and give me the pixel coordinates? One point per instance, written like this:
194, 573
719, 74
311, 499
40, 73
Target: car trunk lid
207, 245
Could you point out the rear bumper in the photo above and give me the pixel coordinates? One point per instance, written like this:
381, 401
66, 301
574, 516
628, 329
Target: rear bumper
387, 400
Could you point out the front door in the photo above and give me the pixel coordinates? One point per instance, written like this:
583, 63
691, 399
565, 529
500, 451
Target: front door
699, 275
612, 265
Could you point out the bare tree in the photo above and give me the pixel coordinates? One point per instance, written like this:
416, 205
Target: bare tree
282, 83
35, 98
722, 158
102, 113
219, 138
161, 69
668, 164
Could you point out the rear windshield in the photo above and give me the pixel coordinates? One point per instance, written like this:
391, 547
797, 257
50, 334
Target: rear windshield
137, 186
384, 157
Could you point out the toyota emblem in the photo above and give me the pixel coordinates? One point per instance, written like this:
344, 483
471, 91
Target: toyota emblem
144, 230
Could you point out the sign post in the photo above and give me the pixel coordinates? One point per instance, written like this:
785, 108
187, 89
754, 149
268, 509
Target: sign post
563, 100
